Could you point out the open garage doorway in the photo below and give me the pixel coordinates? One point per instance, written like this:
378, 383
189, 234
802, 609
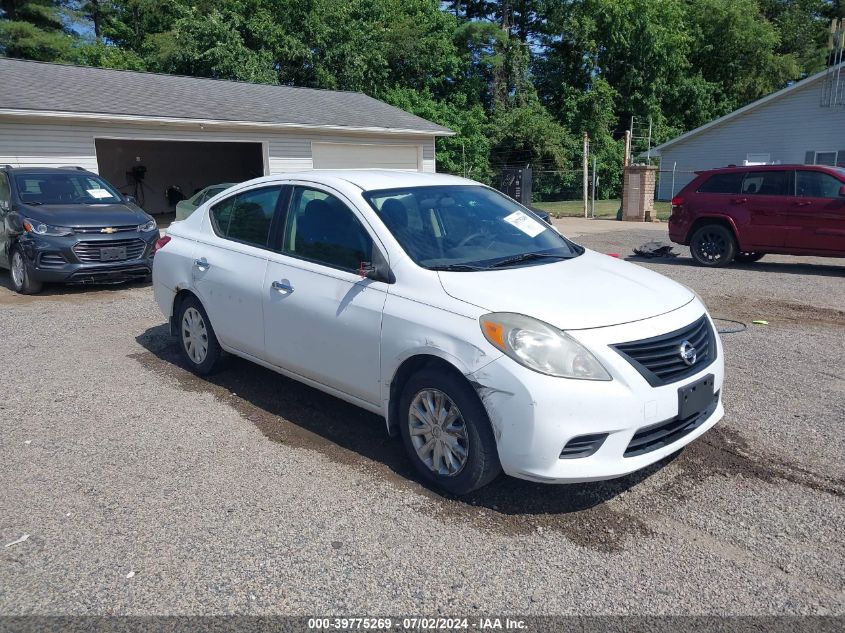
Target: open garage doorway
158, 173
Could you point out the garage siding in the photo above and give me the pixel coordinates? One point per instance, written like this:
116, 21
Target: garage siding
26, 142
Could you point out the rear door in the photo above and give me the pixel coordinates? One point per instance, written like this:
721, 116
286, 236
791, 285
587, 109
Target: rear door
765, 203
817, 213
5, 207
229, 266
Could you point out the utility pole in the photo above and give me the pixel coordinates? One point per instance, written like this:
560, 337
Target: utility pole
586, 167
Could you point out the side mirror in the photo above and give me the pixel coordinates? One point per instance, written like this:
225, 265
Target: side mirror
4, 206
131, 199
377, 270
842, 191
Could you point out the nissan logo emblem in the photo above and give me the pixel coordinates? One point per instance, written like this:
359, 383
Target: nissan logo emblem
688, 353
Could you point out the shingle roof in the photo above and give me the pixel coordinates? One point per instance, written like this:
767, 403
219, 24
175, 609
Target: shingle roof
39, 86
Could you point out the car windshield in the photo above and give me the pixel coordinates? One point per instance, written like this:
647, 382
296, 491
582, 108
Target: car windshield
467, 227
64, 188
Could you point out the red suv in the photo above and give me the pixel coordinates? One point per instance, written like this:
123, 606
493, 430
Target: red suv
742, 213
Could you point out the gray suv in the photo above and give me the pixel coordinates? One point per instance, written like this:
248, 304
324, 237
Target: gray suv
68, 225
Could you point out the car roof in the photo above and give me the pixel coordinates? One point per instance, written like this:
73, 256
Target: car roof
371, 179
743, 168
47, 170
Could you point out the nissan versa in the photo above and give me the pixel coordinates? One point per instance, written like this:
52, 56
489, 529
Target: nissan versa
69, 225
486, 339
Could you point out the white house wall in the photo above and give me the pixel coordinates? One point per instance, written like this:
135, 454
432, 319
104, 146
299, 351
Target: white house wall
786, 128
28, 142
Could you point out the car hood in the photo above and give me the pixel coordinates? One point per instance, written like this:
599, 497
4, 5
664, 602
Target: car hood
588, 291
86, 215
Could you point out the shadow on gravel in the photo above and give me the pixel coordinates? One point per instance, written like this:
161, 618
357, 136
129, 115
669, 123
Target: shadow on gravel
291, 413
792, 268
61, 291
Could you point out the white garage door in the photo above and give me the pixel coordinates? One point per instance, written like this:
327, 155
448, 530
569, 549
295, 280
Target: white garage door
365, 156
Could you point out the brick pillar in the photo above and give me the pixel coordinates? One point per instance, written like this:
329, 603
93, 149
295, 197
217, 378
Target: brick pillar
638, 193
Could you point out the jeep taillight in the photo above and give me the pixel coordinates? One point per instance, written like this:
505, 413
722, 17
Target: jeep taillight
677, 201
160, 244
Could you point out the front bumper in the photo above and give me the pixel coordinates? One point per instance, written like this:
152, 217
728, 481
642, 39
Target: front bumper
534, 416
58, 259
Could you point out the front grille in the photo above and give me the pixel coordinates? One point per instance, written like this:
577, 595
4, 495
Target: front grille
106, 229
95, 275
659, 435
88, 252
659, 359
583, 446
51, 260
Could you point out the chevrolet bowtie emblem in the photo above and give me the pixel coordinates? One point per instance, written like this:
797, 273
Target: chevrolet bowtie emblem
108, 229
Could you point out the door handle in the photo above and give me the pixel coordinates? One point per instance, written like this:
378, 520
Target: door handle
739, 200
803, 203
281, 287
202, 263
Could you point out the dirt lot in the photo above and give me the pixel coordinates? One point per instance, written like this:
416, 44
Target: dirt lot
147, 490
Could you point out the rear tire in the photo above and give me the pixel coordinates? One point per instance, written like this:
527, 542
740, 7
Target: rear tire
748, 257
713, 245
197, 340
459, 455
22, 282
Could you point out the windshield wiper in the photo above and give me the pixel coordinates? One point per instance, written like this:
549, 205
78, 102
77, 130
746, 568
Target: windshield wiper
457, 268
524, 257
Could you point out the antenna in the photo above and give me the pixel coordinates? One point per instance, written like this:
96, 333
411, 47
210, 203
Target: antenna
833, 86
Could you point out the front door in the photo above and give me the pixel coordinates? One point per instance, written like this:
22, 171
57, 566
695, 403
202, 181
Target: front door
818, 213
322, 318
765, 199
229, 267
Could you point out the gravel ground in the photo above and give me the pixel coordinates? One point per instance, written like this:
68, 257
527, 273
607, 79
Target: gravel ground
146, 490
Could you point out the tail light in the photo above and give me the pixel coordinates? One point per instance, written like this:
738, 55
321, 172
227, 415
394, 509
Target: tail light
160, 244
677, 201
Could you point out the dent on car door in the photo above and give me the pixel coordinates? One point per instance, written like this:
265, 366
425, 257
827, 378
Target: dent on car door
322, 318
229, 267
818, 214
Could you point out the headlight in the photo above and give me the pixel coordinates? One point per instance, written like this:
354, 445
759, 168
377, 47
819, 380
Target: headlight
149, 226
541, 347
39, 228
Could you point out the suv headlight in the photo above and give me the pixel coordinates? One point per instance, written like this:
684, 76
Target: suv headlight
541, 347
149, 226
40, 228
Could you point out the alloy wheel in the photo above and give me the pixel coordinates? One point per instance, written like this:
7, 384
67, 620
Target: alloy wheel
18, 270
712, 246
438, 432
194, 335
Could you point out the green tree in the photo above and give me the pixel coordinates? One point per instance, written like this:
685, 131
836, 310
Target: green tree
35, 29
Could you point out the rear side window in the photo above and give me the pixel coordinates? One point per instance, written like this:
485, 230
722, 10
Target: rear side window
5, 194
722, 183
816, 184
767, 183
246, 217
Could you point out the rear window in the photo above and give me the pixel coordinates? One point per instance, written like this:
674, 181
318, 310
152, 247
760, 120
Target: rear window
722, 183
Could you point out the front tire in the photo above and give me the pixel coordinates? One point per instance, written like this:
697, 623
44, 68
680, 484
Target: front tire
713, 245
446, 432
197, 340
746, 257
22, 282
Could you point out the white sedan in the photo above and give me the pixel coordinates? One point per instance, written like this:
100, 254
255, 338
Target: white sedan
486, 340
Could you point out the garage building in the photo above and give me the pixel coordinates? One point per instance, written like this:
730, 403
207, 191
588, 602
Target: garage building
151, 134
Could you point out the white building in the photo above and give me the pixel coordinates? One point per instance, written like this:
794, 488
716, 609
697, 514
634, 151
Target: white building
190, 132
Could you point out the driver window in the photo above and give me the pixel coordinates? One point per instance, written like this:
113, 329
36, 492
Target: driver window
322, 229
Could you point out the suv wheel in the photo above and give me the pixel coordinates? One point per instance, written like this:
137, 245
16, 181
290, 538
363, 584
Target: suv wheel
748, 257
197, 339
446, 432
713, 245
21, 281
